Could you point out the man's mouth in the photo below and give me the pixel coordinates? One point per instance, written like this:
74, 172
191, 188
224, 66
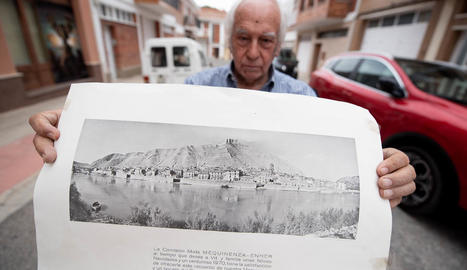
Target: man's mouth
251, 67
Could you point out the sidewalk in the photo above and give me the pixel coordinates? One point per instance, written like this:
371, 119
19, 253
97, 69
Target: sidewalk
19, 162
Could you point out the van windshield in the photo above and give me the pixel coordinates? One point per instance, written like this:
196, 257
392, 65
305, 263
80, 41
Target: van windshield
158, 57
181, 57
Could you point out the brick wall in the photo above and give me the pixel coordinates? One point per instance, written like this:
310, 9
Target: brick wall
126, 48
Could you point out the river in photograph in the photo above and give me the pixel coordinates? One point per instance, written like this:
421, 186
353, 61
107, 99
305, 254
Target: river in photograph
180, 200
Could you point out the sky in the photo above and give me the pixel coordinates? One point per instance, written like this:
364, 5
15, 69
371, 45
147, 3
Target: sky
323, 157
220, 4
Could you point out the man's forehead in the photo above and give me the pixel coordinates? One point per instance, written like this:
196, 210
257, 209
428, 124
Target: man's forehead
258, 14
241, 30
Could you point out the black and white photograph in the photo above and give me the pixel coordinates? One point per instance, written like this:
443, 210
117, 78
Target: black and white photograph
215, 179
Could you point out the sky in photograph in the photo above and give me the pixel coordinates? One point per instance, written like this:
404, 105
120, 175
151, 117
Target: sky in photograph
323, 157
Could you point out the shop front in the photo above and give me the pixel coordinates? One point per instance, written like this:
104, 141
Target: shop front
48, 45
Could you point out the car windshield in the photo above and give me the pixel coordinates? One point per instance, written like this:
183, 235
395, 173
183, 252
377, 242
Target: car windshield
440, 80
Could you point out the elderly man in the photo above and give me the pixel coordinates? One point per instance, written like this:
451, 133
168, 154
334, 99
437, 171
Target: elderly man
256, 29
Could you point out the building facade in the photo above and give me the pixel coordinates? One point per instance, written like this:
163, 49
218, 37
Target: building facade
418, 29
212, 36
44, 47
124, 26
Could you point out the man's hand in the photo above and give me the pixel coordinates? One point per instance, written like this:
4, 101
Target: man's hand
45, 126
396, 176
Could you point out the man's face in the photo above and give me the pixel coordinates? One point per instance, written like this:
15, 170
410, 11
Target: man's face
255, 40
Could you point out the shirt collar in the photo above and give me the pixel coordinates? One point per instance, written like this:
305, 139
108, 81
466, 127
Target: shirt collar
266, 87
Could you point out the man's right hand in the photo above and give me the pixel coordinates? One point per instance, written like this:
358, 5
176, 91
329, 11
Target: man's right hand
45, 126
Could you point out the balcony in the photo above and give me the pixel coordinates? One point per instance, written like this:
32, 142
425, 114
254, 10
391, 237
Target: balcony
191, 21
322, 12
160, 7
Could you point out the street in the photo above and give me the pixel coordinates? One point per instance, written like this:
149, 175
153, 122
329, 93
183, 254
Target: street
417, 243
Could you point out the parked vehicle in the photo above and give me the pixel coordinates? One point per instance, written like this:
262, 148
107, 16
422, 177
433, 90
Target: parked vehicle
171, 60
286, 62
421, 109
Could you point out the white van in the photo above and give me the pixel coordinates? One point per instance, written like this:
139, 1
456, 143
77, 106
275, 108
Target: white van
171, 60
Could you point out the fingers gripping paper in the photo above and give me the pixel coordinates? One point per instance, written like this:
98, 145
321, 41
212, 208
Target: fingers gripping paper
188, 177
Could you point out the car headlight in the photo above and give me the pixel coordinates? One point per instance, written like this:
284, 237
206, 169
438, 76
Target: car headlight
295, 69
283, 67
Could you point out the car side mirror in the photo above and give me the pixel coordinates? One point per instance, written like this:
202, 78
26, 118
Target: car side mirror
390, 85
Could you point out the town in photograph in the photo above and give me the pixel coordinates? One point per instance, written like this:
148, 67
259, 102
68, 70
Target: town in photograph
216, 179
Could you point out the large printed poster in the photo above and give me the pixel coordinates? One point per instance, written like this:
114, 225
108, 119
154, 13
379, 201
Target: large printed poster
159, 177
60, 35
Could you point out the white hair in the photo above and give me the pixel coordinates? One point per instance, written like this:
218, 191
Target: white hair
230, 20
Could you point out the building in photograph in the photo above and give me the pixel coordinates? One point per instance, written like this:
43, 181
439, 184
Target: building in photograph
419, 29
212, 37
45, 46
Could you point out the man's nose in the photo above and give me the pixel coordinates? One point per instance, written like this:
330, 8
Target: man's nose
253, 50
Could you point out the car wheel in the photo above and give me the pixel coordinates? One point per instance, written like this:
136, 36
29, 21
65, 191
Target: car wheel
427, 197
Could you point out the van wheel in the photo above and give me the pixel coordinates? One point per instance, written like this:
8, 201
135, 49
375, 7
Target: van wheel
427, 197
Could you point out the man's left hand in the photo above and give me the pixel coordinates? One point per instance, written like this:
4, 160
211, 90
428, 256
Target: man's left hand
396, 176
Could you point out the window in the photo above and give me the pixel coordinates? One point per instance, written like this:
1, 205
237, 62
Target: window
181, 57
345, 66
103, 10
333, 33
370, 72
158, 57
373, 23
215, 52
406, 18
388, 21
107, 12
329, 64
440, 80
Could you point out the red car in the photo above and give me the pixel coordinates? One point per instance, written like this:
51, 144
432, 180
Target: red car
421, 108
